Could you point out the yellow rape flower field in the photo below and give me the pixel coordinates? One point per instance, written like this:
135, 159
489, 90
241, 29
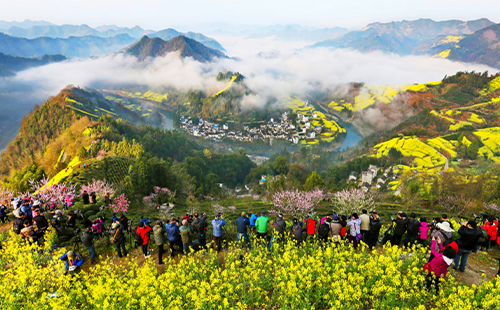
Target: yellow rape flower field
309, 277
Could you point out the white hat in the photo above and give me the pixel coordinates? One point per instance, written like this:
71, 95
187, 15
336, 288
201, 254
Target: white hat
445, 226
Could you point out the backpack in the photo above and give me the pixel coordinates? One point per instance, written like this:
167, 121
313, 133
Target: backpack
342, 231
138, 239
484, 234
413, 227
324, 230
18, 225
55, 221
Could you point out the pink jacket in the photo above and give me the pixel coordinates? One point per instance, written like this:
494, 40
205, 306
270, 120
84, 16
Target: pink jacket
437, 264
424, 230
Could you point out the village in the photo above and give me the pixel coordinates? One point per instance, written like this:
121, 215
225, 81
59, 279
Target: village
281, 128
368, 178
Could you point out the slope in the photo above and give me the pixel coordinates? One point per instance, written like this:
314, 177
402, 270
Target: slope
169, 34
157, 47
11, 64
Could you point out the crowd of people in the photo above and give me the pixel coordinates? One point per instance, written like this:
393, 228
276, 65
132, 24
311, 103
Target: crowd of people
190, 233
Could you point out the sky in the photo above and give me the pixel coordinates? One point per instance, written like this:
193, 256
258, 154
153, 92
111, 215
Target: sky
186, 14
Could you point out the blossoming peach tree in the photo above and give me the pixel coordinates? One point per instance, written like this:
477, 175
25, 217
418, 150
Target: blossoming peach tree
295, 202
350, 201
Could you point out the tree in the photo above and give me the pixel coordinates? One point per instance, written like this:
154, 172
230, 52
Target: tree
350, 201
297, 175
314, 181
120, 204
280, 165
100, 187
295, 202
473, 149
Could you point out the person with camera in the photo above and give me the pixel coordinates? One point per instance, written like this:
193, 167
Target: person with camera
123, 221
199, 227
354, 224
174, 236
88, 242
118, 238
159, 232
3, 211
310, 225
412, 231
491, 227
375, 226
28, 232
242, 224
72, 262
423, 231
186, 235
217, 224
401, 224
335, 228
444, 232
261, 225
365, 225
85, 198
467, 242
279, 230
18, 223
297, 231
324, 230
40, 221
143, 233
253, 218
437, 267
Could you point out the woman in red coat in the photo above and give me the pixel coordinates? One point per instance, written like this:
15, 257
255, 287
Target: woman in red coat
143, 231
491, 227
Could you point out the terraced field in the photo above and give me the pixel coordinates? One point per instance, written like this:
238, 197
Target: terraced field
331, 129
426, 158
227, 87
490, 137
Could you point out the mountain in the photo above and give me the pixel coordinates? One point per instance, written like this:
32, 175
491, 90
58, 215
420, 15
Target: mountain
290, 33
11, 64
85, 46
154, 47
481, 47
24, 24
403, 37
168, 34
65, 31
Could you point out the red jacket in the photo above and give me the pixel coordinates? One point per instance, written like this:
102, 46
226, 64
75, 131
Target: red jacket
143, 232
311, 226
492, 230
438, 265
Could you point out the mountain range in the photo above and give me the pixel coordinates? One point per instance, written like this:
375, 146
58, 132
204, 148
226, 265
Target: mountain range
403, 37
155, 47
291, 33
83, 47
11, 64
168, 34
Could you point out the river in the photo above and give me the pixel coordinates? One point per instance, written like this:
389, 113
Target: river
353, 137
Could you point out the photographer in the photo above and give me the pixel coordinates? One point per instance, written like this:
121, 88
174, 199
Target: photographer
297, 231
3, 211
311, 226
199, 228
85, 198
241, 229
253, 218
443, 231
401, 224
354, 224
365, 225
413, 230
124, 221
88, 242
217, 224
159, 234
174, 236
72, 219
41, 222
118, 238
467, 242
491, 227
375, 226
73, 261
335, 228
143, 233
186, 236
28, 232
261, 224
18, 223
279, 230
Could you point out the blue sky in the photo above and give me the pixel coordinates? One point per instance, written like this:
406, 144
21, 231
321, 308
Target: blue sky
158, 14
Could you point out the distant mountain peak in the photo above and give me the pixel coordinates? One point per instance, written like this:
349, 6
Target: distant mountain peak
156, 47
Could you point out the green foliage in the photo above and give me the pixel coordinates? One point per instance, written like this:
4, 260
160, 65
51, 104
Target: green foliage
19, 180
314, 181
280, 165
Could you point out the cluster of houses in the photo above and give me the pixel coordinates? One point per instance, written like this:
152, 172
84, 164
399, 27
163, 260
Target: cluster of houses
281, 128
369, 176
237, 190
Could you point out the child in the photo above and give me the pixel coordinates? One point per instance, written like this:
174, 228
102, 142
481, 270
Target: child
424, 230
438, 266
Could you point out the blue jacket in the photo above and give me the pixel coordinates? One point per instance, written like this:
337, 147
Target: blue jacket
26, 209
253, 218
173, 232
241, 225
145, 221
217, 224
76, 262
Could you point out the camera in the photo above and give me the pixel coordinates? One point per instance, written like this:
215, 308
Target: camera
77, 231
392, 217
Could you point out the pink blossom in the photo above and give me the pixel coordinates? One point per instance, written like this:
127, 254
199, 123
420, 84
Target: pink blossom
255, 196
100, 187
350, 201
295, 202
156, 197
120, 204
44, 190
232, 208
6, 194
218, 208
